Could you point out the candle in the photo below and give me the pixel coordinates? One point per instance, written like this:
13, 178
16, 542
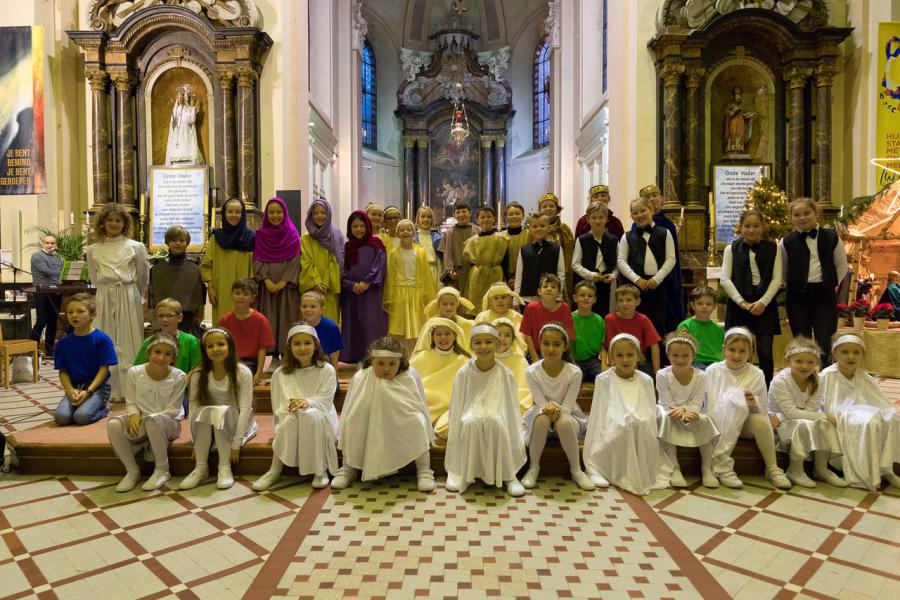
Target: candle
71, 218
712, 206
682, 213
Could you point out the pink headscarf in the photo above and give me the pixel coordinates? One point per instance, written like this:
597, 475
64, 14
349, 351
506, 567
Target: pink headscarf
276, 243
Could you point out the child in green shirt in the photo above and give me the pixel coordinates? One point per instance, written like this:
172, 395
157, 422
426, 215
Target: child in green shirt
710, 335
590, 332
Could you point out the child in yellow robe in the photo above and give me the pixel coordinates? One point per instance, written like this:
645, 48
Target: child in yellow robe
446, 304
437, 357
499, 302
407, 286
509, 353
321, 257
487, 254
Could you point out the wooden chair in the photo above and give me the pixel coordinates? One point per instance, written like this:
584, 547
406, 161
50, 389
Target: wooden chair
12, 348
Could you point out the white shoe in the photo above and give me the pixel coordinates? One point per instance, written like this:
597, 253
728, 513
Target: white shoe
731, 480
783, 482
452, 484
425, 480
266, 481
677, 480
345, 476
709, 480
225, 479
128, 482
514, 488
194, 478
320, 481
830, 477
599, 480
582, 480
531, 475
156, 480
660, 484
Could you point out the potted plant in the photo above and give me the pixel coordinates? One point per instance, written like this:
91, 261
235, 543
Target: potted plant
859, 309
70, 244
843, 314
882, 314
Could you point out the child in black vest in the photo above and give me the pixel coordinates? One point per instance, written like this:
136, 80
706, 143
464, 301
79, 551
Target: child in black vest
646, 257
814, 262
537, 258
751, 276
596, 256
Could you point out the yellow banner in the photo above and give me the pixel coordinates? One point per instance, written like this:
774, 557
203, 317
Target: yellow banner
887, 111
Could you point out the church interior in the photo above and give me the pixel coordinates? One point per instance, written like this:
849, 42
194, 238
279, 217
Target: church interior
170, 109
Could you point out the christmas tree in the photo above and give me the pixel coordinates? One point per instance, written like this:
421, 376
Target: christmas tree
772, 202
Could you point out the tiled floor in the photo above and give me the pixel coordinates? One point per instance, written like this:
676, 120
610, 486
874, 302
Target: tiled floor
75, 537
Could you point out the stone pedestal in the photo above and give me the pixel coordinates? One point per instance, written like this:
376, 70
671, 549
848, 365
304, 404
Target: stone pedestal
228, 178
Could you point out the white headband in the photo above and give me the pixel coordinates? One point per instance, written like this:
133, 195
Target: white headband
212, 330
302, 328
681, 340
801, 350
385, 354
163, 340
555, 327
848, 338
742, 331
484, 328
625, 336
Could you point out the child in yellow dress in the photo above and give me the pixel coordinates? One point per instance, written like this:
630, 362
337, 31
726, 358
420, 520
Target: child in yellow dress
437, 357
446, 304
498, 303
408, 287
510, 352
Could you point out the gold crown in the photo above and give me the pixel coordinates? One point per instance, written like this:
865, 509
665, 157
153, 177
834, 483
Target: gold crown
550, 196
649, 189
596, 189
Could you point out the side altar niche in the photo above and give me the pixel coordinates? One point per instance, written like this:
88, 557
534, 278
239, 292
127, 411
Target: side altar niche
173, 84
730, 74
454, 78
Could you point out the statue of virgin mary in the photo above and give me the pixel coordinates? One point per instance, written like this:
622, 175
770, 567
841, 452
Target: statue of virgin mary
182, 147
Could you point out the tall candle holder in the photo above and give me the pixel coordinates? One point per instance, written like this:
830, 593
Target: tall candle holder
712, 259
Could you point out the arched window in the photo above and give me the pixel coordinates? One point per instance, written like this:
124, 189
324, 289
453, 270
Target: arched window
369, 97
541, 89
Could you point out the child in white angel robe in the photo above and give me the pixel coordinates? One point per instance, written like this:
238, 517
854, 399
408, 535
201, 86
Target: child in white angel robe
384, 422
868, 426
485, 437
621, 443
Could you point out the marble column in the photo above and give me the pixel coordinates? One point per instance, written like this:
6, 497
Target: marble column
671, 76
499, 202
421, 174
125, 192
409, 176
825, 73
228, 178
100, 135
796, 80
247, 135
693, 139
487, 171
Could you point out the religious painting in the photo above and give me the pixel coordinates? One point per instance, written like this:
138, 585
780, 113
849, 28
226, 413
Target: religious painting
22, 111
741, 110
455, 172
180, 118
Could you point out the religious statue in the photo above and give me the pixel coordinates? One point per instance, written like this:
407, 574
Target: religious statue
738, 124
182, 146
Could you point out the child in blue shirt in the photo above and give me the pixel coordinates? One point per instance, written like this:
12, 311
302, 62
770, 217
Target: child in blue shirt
83, 359
312, 311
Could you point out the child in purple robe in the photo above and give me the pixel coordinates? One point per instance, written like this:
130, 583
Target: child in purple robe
363, 318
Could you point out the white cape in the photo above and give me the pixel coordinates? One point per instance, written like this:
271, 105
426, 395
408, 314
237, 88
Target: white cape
485, 438
306, 439
728, 409
868, 426
384, 423
621, 442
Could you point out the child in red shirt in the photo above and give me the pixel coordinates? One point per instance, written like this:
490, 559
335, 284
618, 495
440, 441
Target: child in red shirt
250, 328
547, 309
628, 320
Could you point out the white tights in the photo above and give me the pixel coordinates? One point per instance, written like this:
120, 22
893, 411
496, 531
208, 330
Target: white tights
125, 448
758, 427
202, 442
566, 429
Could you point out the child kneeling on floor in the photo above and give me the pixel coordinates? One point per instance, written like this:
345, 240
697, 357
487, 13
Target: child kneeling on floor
221, 400
384, 422
485, 438
153, 413
306, 422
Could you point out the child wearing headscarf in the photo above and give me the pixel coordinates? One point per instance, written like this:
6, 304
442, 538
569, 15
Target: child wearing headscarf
365, 264
322, 254
276, 266
226, 257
